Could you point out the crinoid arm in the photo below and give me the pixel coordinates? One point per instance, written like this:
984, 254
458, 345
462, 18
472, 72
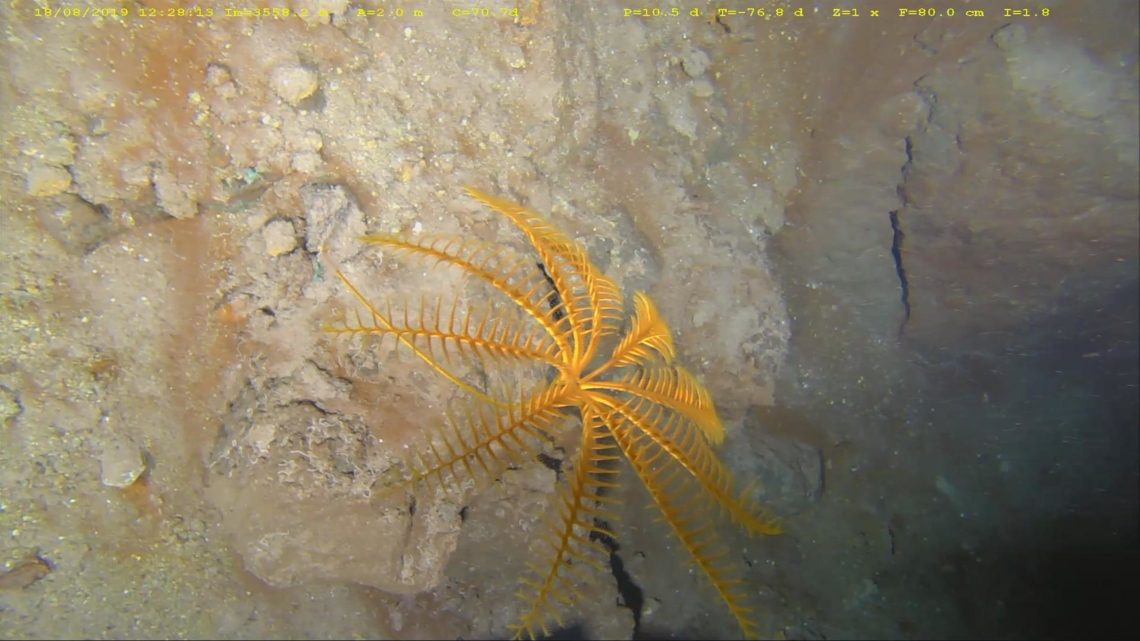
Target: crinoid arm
479, 440
517, 277
594, 303
675, 436
688, 513
647, 340
444, 333
673, 387
568, 552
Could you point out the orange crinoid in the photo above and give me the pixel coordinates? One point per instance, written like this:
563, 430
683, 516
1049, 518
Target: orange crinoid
616, 381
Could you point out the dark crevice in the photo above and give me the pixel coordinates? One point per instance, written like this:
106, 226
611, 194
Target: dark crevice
554, 299
551, 463
896, 251
631, 595
308, 402
897, 235
907, 167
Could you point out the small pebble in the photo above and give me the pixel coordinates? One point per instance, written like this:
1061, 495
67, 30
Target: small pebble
96, 125
293, 83
1010, 37
47, 180
513, 56
173, 197
280, 237
21, 574
122, 464
694, 62
217, 75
